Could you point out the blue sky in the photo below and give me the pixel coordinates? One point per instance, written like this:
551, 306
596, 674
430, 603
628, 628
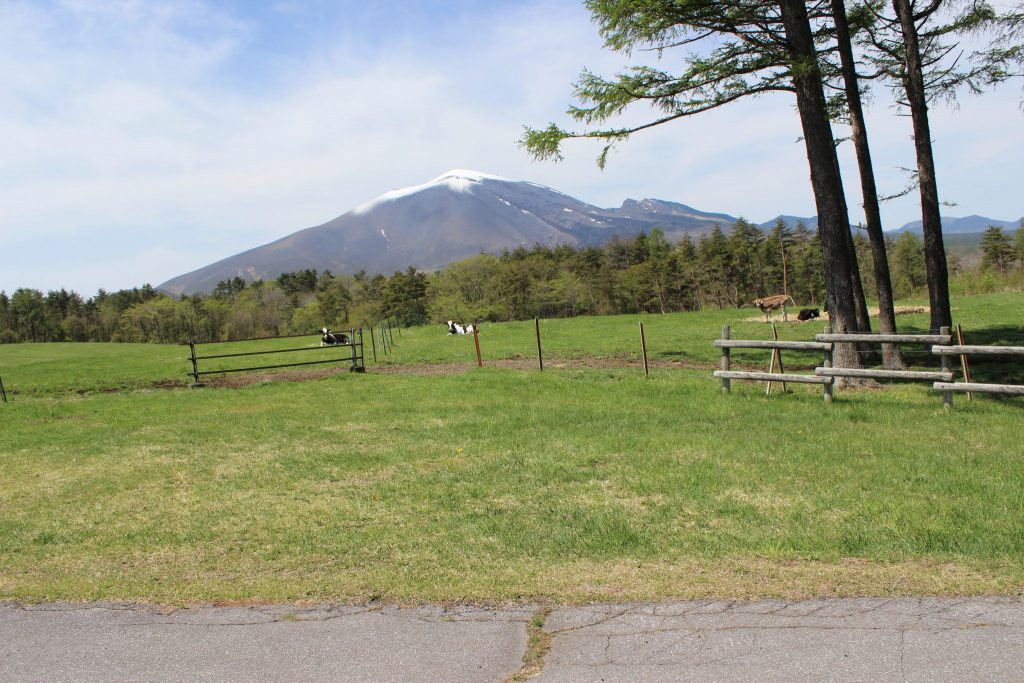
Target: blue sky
141, 139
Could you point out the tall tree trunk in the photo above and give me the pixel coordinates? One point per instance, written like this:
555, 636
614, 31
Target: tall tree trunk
785, 270
892, 357
934, 249
833, 220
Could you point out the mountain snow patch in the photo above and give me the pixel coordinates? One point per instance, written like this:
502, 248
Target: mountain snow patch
458, 180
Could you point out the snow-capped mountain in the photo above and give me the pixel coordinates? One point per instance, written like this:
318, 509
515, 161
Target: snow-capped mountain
456, 215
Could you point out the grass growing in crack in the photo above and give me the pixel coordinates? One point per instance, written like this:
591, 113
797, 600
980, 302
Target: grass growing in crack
538, 644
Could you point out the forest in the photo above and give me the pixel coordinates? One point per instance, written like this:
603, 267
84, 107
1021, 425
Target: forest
642, 274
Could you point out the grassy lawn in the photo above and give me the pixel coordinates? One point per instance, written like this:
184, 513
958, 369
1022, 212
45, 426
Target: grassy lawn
494, 485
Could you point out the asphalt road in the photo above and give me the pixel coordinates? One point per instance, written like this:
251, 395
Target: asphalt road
860, 639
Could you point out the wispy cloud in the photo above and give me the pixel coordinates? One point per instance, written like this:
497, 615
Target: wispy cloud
140, 140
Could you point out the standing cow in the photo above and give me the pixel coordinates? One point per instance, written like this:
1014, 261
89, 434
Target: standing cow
770, 303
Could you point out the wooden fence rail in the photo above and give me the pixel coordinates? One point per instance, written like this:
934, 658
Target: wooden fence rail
940, 344
947, 388
727, 375
944, 337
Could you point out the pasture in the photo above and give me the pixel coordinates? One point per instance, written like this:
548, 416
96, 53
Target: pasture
499, 484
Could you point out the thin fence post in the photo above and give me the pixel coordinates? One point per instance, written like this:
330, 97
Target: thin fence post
540, 354
476, 340
3, 393
827, 362
643, 348
776, 362
362, 352
352, 343
195, 366
947, 366
373, 343
963, 360
383, 340
726, 382
391, 337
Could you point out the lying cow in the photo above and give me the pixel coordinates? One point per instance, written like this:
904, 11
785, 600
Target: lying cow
456, 328
806, 314
331, 338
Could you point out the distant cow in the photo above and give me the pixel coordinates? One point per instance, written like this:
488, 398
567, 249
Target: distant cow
456, 328
806, 314
770, 303
331, 338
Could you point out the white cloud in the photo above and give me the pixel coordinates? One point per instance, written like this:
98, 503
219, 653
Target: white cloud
140, 140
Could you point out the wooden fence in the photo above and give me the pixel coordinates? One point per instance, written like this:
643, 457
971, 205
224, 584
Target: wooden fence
940, 344
355, 355
726, 374
947, 387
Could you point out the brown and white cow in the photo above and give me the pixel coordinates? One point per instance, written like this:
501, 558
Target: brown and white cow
770, 303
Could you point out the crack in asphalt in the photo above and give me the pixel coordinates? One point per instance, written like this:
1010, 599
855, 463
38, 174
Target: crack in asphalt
648, 634
919, 616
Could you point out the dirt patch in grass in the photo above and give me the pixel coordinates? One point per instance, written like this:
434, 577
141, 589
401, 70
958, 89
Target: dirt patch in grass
442, 369
588, 363
823, 315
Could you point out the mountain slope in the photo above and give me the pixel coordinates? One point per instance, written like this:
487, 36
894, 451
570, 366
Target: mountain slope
456, 215
967, 224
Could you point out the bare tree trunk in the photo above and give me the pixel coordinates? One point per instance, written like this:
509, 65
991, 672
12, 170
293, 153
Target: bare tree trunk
785, 272
840, 261
892, 356
934, 249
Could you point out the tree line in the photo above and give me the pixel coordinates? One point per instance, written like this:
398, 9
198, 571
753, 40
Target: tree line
824, 53
641, 274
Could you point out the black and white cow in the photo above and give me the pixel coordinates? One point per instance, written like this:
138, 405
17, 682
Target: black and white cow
806, 314
456, 328
331, 338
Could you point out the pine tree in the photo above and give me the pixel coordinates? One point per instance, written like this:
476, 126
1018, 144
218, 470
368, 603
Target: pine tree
997, 250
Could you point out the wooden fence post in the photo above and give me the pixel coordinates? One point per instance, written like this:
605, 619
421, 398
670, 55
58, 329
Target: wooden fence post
947, 366
643, 348
827, 363
963, 360
352, 343
476, 340
725, 360
776, 361
540, 354
3, 393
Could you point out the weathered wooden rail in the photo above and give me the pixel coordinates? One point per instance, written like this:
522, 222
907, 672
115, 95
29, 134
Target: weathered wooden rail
940, 344
944, 375
355, 357
947, 387
727, 375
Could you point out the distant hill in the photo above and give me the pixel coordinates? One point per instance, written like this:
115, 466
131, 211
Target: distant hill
455, 216
462, 213
791, 221
967, 224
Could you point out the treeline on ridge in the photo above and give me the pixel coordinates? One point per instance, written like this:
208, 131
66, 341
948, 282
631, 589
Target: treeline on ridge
643, 274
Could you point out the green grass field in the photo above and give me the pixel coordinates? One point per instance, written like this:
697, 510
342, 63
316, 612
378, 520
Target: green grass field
499, 484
